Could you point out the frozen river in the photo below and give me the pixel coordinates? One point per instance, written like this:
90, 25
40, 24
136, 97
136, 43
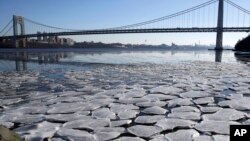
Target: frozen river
124, 96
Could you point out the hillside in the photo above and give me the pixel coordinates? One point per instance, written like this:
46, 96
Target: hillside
243, 45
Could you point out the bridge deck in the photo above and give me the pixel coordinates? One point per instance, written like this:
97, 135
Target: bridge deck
129, 31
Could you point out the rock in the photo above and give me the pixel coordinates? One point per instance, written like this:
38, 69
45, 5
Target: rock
74, 135
238, 104
103, 113
148, 119
180, 102
129, 139
144, 131
166, 90
7, 135
128, 114
219, 127
183, 135
87, 124
220, 138
155, 110
225, 115
195, 94
185, 115
185, 109
172, 123
120, 123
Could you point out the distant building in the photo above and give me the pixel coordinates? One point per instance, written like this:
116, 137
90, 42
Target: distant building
66, 41
54, 40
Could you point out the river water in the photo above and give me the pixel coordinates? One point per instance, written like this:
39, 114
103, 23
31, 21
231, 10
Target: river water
42, 60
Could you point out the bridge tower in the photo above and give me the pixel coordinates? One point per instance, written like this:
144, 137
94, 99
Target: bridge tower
219, 38
18, 20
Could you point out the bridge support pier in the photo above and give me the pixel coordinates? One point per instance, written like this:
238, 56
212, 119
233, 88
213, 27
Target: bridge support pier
19, 43
219, 38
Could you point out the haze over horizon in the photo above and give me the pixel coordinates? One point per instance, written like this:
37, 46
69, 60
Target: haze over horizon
94, 14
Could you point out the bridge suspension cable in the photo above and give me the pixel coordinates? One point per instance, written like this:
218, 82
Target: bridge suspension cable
237, 6
239, 16
6, 26
48, 26
132, 25
9, 29
169, 16
200, 18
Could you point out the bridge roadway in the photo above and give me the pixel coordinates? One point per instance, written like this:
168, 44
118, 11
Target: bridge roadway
129, 31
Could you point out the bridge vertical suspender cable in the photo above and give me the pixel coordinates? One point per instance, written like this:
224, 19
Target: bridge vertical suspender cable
137, 24
188, 20
172, 22
239, 8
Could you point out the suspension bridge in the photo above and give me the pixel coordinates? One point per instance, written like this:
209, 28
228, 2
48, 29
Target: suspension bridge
217, 16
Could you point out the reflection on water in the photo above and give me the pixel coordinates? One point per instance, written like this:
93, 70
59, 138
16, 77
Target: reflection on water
218, 56
243, 58
21, 61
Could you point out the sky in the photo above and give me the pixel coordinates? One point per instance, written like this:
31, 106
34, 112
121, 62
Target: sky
94, 14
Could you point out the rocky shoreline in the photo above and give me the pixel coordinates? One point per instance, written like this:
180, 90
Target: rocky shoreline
195, 101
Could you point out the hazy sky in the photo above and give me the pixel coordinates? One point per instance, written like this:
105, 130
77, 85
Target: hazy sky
91, 14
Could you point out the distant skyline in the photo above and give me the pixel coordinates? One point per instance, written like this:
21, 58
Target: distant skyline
93, 14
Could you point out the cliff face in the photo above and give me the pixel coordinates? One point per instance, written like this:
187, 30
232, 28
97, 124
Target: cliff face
243, 45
